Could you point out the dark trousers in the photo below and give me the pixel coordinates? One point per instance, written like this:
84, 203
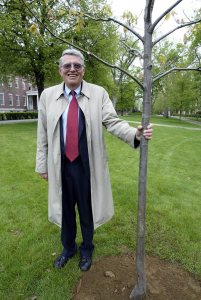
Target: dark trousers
76, 190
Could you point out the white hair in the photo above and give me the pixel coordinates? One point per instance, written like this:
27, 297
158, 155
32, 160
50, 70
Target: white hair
72, 52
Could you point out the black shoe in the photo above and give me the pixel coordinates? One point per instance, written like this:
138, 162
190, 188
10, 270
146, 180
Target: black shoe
61, 261
85, 263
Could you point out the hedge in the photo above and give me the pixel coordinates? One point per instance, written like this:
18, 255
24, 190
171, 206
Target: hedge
18, 115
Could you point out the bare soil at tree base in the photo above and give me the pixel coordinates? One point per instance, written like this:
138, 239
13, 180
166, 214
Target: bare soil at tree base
114, 277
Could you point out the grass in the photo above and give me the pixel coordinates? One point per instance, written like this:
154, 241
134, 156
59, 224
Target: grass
161, 120
29, 243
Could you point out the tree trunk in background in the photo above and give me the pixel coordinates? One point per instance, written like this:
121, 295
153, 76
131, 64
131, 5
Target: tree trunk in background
40, 82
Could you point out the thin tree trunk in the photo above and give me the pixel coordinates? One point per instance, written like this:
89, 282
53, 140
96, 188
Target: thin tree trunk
140, 290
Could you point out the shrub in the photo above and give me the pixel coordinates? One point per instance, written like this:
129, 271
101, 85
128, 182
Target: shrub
198, 114
18, 115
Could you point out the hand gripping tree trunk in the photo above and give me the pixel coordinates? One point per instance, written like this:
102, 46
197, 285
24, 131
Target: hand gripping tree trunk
139, 290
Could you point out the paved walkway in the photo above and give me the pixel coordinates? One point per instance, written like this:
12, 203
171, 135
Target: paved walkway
18, 121
177, 126
135, 122
189, 120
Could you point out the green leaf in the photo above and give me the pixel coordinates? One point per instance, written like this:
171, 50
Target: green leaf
34, 28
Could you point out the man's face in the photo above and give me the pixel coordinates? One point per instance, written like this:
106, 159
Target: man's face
72, 71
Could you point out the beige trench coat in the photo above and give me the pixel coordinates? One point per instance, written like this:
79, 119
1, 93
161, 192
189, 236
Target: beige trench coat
98, 110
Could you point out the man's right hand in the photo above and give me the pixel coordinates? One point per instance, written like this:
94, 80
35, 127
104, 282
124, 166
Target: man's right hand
44, 176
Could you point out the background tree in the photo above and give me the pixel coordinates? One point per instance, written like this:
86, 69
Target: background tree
180, 94
99, 38
33, 52
196, 105
126, 97
177, 92
165, 56
28, 45
193, 37
128, 51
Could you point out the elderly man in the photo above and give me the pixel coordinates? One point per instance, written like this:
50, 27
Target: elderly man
71, 155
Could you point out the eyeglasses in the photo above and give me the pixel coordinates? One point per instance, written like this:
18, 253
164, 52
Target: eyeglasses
76, 66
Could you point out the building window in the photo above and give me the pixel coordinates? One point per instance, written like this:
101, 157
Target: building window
23, 85
10, 99
10, 83
17, 100
2, 102
24, 100
17, 82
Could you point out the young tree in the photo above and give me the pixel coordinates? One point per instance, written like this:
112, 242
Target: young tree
140, 289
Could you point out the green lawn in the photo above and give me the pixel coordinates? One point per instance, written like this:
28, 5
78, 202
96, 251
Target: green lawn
29, 243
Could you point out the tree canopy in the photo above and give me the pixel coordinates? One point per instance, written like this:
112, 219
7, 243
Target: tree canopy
34, 52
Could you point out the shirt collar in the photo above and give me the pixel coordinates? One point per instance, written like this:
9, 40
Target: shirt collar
77, 90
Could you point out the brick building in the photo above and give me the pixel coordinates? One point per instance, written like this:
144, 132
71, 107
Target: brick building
18, 95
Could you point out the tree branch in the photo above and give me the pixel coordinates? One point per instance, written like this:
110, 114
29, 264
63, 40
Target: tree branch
108, 64
132, 50
164, 14
118, 22
197, 55
159, 76
85, 51
176, 28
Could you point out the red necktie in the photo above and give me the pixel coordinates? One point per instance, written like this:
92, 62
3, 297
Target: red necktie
72, 130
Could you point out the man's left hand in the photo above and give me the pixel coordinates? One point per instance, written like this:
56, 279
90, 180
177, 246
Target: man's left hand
147, 133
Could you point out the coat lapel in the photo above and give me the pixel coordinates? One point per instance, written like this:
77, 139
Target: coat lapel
59, 105
84, 106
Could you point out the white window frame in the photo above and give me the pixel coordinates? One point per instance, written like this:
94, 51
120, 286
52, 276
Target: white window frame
23, 85
17, 99
3, 100
10, 99
17, 82
25, 100
10, 82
